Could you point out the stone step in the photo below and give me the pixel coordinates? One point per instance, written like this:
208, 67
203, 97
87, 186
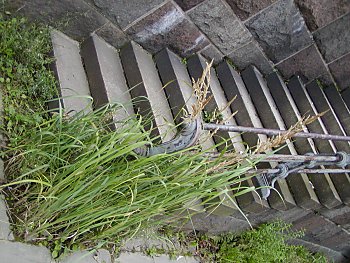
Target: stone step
106, 77
323, 184
176, 84
233, 86
196, 65
333, 126
73, 86
346, 97
269, 117
340, 109
299, 184
147, 91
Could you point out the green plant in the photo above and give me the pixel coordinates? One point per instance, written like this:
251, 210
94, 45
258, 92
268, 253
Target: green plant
25, 80
213, 116
265, 244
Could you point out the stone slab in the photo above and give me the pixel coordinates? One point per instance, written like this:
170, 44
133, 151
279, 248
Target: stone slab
319, 13
23, 253
99, 256
247, 8
188, 4
280, 30
70, 74
340, 216
340, 70
126, 257
249, 54
106, 76
211, 52
307, 63
75, 18
113, 35
346, 97
333, 40
220, 24
168, 27
125, 12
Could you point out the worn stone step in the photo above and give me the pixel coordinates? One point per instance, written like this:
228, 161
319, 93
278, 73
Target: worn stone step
147, 91
332, 124
73, 86
340, 109
180, 95
233, 86
299, 184
105, 75
323, 184
269, 117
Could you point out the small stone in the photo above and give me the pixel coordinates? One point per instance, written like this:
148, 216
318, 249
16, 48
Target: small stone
113, 35
211, 52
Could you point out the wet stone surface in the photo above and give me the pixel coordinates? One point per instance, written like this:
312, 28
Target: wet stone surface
334, 39
280, 30
220, 24
168, 27
251, 54
124, 12
307, 63
247, 8
318, 13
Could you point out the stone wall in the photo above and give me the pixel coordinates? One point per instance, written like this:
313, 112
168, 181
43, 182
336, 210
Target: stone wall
306, 37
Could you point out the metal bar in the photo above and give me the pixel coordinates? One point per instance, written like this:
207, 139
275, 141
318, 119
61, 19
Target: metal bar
233, 128
286, 158
308, 171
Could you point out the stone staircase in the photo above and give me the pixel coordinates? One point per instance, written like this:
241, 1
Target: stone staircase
96, 69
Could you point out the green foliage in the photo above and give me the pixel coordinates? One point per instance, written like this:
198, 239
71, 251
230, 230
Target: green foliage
25, 81
212, 117
266, 244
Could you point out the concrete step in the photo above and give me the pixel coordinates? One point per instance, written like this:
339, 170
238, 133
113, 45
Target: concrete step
269, 117
340, 108
106, 76
299, 184
233, 86
333, 126
73, 86
147, 91
323, 184
226, 207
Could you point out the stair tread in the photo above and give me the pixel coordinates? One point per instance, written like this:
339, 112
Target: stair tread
69, 71
323, 184
143, 81
299, 183
233, 86
106, 76
270, 118
333, 126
